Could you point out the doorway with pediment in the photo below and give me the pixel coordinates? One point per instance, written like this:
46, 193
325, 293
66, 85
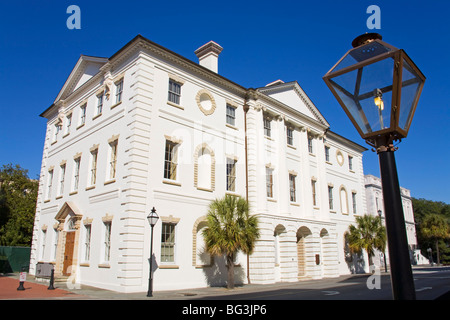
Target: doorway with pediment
68, 224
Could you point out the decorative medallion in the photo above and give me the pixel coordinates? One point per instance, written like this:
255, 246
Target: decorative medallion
206, 102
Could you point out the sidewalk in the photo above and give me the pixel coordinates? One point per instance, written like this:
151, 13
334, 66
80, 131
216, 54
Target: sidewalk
38, 290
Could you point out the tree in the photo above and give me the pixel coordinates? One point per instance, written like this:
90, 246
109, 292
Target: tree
229, 229
369, 235
18, 195
435, 227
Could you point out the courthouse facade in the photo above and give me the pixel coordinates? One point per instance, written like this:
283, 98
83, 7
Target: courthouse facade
148, 128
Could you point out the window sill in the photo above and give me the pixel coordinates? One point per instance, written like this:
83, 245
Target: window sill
168, 266
58, 197
175, 105
109, 182
73, 192
295, 204
81, 126
48, 200
205, 189
232, 193
84, 264
66, 134
96, 116
271, 200
115, 105
328, 162
231, 126
90, 188
291, 146
104, 265
171, 182
54, 142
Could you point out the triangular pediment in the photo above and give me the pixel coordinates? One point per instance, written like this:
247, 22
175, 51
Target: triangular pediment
68, 208
85, 68
292, 95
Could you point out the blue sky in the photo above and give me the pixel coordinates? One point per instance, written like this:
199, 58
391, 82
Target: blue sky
263, 41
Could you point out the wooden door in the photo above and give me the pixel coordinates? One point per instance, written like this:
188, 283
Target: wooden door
68, 253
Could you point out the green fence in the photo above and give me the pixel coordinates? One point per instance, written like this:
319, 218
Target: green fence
12, 259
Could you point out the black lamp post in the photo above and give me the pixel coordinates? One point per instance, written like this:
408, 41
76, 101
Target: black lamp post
379, 86
152, 220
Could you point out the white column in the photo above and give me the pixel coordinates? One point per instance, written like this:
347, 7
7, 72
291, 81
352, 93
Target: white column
283, 175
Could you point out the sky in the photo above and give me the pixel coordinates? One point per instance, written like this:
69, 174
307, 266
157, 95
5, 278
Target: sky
263, 41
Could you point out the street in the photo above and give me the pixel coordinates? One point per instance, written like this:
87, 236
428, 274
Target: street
430, 284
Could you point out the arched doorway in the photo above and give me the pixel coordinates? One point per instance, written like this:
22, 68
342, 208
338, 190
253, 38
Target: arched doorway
277, 236
302, 234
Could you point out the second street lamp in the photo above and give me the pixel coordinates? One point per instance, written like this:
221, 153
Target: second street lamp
152, 220
379, 86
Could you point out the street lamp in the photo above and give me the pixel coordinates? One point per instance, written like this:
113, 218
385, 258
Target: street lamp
379, 86
152, 220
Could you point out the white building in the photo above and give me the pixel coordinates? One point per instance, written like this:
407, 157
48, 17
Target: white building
375, 206
149, 128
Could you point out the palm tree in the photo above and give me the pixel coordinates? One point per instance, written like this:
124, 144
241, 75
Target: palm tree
229, 229
369, 235
435, 227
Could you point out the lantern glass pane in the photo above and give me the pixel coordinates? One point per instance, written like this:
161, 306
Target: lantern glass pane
409, 96
367, 94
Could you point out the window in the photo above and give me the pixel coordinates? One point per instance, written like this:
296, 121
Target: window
170, 161
113, 159
174, 91
168, 242
290, 136
350, 163
62, 174
76, 173
93, 169
87, 242
99, 104
292, 191
49, 184
269, 182
327, 154
330, 197
68, 123
310, 144
267, 126
82, 115
107, 241
55, 132
231, 175
55, 242
313, 187
354, 202
43, 241
119, 90
231, 115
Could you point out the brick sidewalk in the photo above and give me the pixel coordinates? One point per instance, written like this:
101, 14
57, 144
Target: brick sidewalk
9, 285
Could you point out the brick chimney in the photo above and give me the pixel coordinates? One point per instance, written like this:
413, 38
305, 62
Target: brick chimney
208, 55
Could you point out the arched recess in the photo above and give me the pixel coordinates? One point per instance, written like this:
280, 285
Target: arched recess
343, 199
302, 234
204, 168
200, 257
